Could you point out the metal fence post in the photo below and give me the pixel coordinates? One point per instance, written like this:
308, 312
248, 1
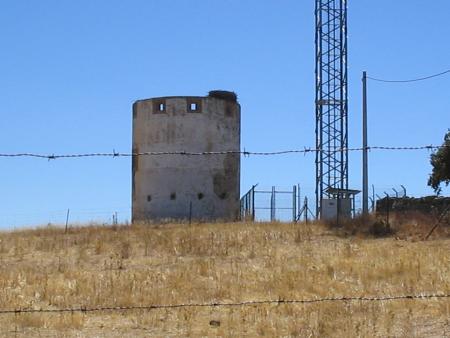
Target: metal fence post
387, 210
306, 210
294, 204
253, 203
272, 205
404, 191
67, 219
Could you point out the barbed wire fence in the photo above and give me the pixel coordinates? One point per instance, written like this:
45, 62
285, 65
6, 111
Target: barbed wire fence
104, 216
305, 150
231, 304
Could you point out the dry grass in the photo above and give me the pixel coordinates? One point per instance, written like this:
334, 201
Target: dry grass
143, 265
412, 226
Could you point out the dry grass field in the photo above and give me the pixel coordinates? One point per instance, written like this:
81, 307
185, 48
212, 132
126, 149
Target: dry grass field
220, 263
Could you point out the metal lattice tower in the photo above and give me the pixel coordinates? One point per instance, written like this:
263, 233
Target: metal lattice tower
331, 98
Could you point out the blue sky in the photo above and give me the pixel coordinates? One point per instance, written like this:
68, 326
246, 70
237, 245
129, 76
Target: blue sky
70, 71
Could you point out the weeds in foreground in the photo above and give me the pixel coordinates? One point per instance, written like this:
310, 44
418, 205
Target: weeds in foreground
142, 265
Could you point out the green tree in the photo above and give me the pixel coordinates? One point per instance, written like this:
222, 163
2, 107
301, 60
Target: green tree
440, 161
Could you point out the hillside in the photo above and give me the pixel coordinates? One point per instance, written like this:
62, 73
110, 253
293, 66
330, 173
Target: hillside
97, 267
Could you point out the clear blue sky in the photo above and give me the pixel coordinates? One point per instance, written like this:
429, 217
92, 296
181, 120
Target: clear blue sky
70, 71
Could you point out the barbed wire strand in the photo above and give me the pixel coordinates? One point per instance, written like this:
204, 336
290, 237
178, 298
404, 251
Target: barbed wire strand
412, 80
235, 304
244, 153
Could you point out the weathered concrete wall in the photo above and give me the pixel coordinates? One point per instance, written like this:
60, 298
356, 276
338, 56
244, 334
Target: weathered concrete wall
165, 186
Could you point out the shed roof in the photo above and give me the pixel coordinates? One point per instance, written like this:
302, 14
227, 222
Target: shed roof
336, 191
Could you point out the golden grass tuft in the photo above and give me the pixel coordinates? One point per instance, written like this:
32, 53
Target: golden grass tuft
138, 265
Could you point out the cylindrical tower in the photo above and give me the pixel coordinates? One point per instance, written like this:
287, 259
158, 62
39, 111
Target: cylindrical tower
202, 187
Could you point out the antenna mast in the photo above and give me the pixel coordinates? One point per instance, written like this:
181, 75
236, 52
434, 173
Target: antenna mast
331, 99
